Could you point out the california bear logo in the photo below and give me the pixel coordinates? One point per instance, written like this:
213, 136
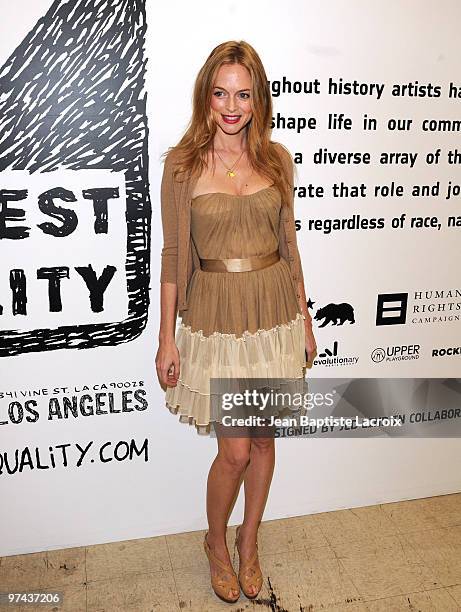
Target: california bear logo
332, 313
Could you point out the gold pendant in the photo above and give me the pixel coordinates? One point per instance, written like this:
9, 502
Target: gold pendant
230, 174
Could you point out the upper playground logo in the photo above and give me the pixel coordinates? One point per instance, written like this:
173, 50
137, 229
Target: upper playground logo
398, 352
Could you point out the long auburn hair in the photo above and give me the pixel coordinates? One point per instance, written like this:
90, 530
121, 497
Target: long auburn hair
190, 153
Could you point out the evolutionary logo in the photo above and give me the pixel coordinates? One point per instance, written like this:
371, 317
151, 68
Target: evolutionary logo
75, 210
398, 352
331, 357
451, 351
419, 307
336, 314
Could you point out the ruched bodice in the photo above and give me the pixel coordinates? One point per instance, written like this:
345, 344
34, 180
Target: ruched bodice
225, 225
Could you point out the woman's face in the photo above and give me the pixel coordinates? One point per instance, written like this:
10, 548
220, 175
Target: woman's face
231, 98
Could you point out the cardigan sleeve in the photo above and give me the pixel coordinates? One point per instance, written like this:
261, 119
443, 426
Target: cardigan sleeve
169, 212
290, 216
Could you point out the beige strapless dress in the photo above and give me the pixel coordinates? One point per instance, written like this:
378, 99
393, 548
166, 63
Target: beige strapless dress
238, 324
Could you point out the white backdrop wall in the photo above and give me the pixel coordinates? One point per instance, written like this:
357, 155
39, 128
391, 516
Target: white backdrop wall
49, 504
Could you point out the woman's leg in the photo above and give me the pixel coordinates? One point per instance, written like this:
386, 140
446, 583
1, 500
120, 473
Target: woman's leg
223, 483
257, 481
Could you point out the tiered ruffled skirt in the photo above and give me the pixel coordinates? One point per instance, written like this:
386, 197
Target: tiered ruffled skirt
238, 325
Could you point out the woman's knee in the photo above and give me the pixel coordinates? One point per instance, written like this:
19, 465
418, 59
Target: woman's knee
261, 444
235, 455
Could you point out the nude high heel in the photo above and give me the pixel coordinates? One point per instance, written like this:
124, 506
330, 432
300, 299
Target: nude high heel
226, 580
249, 570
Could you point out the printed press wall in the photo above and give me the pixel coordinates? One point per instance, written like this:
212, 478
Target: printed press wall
367, 98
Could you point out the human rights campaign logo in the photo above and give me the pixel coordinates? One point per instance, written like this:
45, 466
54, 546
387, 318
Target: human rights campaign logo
391, 308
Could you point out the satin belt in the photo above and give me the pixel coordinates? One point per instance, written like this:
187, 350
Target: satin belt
246, 264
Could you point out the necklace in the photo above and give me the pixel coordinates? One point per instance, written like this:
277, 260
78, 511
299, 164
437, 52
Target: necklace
230, 171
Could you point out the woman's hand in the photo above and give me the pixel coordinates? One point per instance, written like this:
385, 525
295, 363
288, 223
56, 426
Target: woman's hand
311, 346
167, 363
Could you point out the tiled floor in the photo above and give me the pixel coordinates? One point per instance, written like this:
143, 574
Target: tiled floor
390, 557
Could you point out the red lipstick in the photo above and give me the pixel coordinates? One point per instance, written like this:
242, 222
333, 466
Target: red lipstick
231, 118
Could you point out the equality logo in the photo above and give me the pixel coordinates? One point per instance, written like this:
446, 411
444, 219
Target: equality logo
391, 308
75, 208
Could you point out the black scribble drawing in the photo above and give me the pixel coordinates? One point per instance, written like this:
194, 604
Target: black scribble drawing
72, 97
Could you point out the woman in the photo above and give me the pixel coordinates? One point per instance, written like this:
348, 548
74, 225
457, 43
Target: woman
231, 268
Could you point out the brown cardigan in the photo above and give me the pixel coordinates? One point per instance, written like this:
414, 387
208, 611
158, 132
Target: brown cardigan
179, 255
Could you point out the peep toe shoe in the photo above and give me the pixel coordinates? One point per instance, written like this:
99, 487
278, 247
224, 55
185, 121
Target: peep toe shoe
226, 580
249, 571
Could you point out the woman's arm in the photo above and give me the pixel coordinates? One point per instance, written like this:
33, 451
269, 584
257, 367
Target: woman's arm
169, 211
168, 301
302, 299
311, 346
167, 358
